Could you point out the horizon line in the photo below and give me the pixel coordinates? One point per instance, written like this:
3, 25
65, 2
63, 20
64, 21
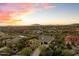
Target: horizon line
41, 24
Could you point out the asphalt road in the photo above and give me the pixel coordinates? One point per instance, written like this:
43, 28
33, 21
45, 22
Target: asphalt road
3, 48
36, 52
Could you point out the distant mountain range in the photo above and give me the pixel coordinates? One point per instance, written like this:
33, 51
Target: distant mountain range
42, 25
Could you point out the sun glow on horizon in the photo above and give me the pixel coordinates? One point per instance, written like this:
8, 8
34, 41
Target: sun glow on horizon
17, 19
26, 19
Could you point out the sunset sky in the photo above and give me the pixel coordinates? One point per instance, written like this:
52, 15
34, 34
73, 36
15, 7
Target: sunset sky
38, 13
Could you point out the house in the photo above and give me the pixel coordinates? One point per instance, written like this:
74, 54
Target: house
14, 41
46, 38
72, 39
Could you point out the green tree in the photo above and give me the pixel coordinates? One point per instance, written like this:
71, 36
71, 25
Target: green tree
25, 52
34, 43
46, 51
57, 52
68, 52
6, 51
21, 43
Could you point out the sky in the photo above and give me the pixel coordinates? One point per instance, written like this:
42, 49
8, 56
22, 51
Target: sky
38, 13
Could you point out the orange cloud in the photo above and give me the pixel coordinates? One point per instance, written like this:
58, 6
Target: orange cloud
15, 21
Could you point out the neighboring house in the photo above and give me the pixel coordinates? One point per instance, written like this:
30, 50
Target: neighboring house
72, 39
37, 31
15, 40
2, 34
77, 29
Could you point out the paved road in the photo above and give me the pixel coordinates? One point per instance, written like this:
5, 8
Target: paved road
36, 52
3, 48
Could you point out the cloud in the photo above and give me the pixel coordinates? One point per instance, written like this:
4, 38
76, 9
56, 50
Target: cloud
9, 10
